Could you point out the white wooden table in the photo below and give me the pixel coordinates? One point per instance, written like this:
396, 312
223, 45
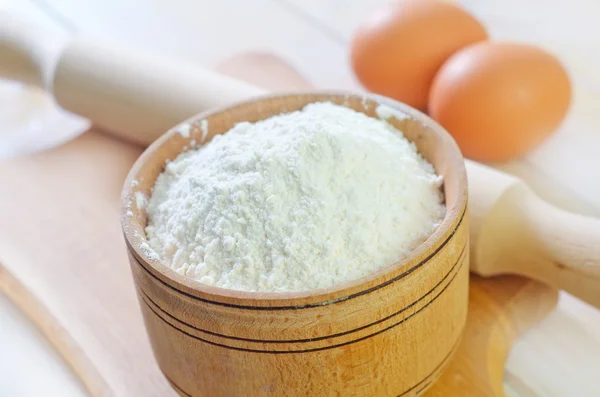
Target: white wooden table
561, 357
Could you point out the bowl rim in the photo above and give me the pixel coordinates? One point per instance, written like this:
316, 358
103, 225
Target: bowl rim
291, 300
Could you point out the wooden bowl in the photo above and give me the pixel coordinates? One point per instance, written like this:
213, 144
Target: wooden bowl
388, 334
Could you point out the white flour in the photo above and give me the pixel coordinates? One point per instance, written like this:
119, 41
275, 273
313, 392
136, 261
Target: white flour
299, 201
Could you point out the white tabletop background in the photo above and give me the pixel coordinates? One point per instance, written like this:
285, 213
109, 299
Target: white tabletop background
561, 357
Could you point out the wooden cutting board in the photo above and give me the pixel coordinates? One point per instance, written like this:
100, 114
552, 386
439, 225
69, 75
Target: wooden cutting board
63, 261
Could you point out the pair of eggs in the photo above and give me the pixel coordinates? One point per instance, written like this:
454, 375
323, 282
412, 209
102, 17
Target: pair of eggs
498, 100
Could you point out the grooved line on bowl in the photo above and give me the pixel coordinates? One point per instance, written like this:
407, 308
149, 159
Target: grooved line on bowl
460, 259
425, 382
306, 350
311, 305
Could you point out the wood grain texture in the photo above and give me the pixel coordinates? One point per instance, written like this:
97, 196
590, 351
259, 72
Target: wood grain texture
387, 334
88, 308
500, 310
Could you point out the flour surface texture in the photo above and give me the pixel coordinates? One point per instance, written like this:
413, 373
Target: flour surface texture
296, 202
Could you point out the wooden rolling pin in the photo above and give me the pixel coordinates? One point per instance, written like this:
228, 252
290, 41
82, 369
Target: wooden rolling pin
139, 96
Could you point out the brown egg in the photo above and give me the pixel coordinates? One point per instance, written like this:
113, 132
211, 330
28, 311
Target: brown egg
397, 51
499, 100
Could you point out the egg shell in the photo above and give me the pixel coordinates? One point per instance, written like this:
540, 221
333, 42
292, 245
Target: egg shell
397, 51
500, 100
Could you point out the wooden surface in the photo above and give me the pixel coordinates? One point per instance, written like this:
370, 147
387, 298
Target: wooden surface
387, 334
558, 358
45, 273
73, 303
116, 359
500, 310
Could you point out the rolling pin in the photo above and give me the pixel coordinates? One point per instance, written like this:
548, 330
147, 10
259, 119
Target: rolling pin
139, 96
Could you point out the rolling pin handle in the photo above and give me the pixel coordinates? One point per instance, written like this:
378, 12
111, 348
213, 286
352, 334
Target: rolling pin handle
525, 235
28, 53
571, 244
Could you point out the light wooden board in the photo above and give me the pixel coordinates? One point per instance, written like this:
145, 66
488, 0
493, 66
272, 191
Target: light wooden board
63, 263
500, 310
570, 335
104, 340
64, 260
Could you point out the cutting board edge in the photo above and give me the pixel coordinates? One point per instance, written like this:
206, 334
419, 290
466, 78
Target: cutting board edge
40, 315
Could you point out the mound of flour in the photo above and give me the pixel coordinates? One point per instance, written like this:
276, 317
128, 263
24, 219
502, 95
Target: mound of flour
298, 201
